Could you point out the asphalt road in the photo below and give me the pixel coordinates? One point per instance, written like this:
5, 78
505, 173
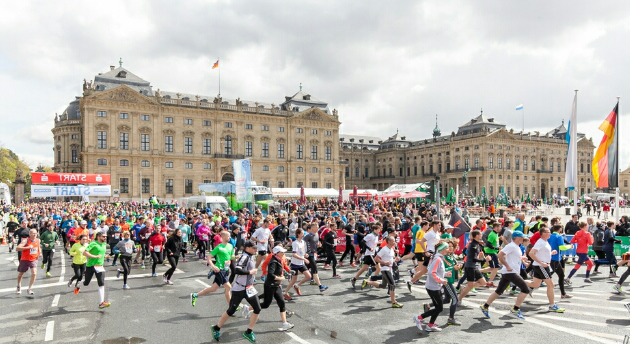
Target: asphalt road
155, 313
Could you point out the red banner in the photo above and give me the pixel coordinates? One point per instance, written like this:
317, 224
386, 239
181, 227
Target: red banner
69, 178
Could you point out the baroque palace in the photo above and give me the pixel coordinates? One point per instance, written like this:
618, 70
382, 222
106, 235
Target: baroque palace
523, 163
166, 143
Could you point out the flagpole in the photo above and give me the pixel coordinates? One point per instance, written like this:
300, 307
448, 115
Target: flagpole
219, 77
617, 159
523, 118
575, 190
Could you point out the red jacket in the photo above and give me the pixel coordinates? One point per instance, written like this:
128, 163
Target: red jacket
156, 239
583, 239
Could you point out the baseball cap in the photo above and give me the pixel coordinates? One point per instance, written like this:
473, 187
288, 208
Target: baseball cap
518, 234
83, 222
249, 243
447, 226
279, 249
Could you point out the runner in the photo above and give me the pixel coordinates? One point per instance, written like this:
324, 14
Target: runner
450, 294
474, 256
261, 238
48, 239
78, 261
511, 257
298, 260
30, 249
349, 232
386, 257
223, 252
330, 242
126, 248
541, 254
173, 249
424, 246
435, 281
243, 289
371, 243
95, 252
312, 242
156, 247
491, 249
557, 263
273, 287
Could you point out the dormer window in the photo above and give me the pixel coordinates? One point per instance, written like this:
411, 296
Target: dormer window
167, 96
122, 74
307, 97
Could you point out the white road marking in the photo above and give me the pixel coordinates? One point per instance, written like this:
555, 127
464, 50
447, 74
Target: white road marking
589, 335
202, 283
54, 284
16, 263
11, 258
50, 329
55, 300
63, 266
296, 338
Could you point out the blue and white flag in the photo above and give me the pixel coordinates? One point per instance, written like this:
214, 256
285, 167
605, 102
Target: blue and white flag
570, 178
519, 107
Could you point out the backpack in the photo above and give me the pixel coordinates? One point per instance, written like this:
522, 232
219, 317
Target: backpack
599, 237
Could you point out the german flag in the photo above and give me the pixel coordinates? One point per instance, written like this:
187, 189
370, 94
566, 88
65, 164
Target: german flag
606, 161
216, 65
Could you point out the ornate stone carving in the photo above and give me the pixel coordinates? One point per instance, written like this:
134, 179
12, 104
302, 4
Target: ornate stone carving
123, 95
102, 126
280, 140
189, 133
168, 132
124, 128
145, 130
328, 143
264, 139
299, 141
226, 169
249, 138
314, 142
206, 135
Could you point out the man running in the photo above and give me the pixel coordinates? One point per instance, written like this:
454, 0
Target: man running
30, 251
386, 257
95, 252
243, 289
474, 256
511, 258
312, 242
48, 239
428, 242
224, 253
371, 243
298, 260
261, 238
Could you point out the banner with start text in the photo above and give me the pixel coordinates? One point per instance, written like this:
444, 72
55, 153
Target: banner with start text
62, 191
69, 178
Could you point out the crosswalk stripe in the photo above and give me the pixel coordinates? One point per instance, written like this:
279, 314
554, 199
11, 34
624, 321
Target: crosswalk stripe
565, 302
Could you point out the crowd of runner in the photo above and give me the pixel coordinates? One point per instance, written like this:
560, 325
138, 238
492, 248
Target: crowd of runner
240, 248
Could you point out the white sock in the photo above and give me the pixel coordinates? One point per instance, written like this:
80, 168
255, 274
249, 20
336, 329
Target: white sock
101, 293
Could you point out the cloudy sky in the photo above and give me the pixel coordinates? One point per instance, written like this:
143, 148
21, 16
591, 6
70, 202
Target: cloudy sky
385, 65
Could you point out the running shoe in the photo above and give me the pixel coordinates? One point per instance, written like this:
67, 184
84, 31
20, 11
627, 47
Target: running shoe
289, 314
164, 279
250, 336
457, 290
627, 305
369, 272
126, 287
104, 305
514, 292
154, 275
69, 283
118, 273
169, 282
287, 297
411, 273
433, 328
143, 267
474, 291
30, 292
263, 278
185, 260
19, 290
76, 290
353, 281
491, 285
588, 280
341, 264
286, 326
313, 282
336, 277
567, 282
409, 286
531, 291
245, 311
556, 309
543, 284
397, 305
596, 273
516, 313
364, 284
566, 296
47, 274
114, 264
326, 266
454, 322
216, 333
193, 299
43, 265
297, 290
353, 265
485, 311
426, 307
612, 276
323, 288
617, 289
419, 322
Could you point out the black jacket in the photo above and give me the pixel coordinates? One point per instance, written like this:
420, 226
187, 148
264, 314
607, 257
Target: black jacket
274, 269
173, 245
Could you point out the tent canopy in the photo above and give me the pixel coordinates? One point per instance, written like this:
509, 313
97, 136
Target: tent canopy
308, 192
415, 194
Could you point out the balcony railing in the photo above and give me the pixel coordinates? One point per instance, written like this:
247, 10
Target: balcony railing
228, 156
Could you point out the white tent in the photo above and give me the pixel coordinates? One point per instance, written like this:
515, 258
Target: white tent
347, 193
5, 193
403, 188
308, 192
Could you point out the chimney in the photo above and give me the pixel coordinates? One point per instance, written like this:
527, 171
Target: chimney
111, 67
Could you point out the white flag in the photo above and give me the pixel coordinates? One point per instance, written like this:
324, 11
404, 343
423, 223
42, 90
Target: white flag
570, 178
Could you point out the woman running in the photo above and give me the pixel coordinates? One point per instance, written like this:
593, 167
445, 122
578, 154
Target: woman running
583, 239
435, 280
273, 287
203, 235
78, 261
156, 246
450, 294
173, 248
126, 248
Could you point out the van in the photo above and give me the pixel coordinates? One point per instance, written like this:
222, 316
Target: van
207, 202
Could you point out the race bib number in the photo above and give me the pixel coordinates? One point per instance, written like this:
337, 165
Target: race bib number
204, 237
157, 248
335, 242
251, 291
99, 268
116, 236
33, 250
